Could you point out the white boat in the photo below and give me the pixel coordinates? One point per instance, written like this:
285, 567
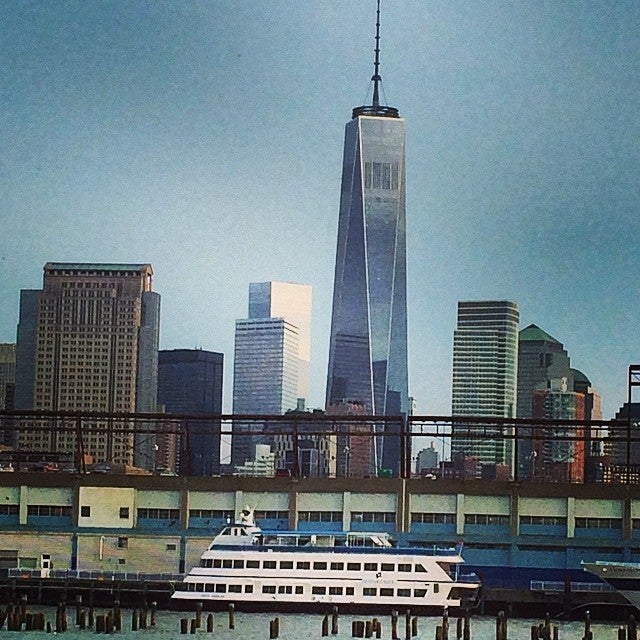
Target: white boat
301, 570
624, 577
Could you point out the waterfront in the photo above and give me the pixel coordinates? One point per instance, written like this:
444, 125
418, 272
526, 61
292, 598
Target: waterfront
255, 626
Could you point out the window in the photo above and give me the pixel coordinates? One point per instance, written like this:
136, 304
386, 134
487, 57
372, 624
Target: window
486, 519
337, 566
387, 567
404, 567
267, 588
238, 564
598, 523
121, 561
248, 588
543, 520
318, 591
335, 591
253, 564
319, 565
419, 593
285, 589
434, 518
85, 512
370, 566
386, 592
436, 588
303, 565
299, 590
122, 543
227, 564
221, 588
286, 564
349, 591
404, 593
124, 513
353, 566
269, 564
420, 569
217, 563
235, 588
369, 591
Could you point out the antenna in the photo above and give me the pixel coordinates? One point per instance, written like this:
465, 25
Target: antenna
375, 109
376, 78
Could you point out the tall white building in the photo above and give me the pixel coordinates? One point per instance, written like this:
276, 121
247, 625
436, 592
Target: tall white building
272, 355
485, 365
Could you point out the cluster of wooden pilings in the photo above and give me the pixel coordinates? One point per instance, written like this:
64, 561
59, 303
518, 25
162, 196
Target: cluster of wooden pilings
18, 618
192, 625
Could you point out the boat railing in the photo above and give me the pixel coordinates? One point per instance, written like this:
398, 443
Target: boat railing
550, 586
65, 574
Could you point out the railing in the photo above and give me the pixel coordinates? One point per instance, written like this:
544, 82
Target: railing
64, 574
575, 587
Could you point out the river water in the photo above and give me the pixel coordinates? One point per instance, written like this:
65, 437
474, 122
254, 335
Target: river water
255, 626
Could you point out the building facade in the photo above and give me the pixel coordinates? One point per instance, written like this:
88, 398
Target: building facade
88, 341
7, 374
368, 343
485, 361
190, 382
270, 367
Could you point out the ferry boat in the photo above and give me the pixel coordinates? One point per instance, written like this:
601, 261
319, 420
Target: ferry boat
301, 571
624, 577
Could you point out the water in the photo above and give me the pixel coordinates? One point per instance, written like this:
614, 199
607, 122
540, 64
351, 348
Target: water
255, 626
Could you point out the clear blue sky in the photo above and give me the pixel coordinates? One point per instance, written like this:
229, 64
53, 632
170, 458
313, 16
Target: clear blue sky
206, 139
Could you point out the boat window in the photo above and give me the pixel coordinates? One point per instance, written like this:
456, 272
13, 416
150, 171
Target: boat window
227, 564
286, 564
238, 564
267, 588
199, 586
337, 566
420, 569
370, 566
208, 587
299, 590
226, 531
269, 564
284, 589
419, 593
235, 588
404, 593
386, 592
335, 591
349, 591
318, 591
404, 567
248, 588
436, 588
221, 588
385, 566
319, 565
253, 564
369, 591
303, 565
353, 566
243, 532
217, 563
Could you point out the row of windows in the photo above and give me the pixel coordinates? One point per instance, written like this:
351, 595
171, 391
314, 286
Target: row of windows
159, 514
47, 510
217, 563
381, 175
434, 518
320, 516
485, 518
373, 516
544, 520
209, 587
598, 523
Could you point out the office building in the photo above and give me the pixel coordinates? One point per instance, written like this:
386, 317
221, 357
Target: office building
190, 382
271, 358
7, 375
368, 342
485, 361
88, 341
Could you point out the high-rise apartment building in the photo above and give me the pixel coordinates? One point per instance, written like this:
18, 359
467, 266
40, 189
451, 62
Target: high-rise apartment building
190, 382
368, 343
271, 357
88, 341
7, 374
485, 361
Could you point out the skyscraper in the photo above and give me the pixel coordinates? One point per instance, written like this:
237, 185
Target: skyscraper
368, 343
485, 361
7, 374
88, 341
190, 382
271, 356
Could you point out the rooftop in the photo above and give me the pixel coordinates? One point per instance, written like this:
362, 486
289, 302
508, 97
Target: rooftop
533, 333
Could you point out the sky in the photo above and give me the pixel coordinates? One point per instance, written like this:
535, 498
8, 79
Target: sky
205, 137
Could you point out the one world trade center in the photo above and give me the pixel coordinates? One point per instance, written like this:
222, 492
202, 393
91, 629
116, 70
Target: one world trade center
368, 344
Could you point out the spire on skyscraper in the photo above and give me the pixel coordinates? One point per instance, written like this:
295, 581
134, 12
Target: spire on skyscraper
375, 109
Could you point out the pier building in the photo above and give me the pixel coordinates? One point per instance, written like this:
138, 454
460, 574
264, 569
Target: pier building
517, 537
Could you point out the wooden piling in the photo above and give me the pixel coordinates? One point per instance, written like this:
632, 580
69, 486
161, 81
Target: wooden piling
274, 628
622, 633
555, 632
78, 607
501, 626
232, 616
134, 620
142, 622
466, 628
91, 620
377, 628
445, 624
183, 625
210, 623
439, 632
325, 626
368, 629
198, 614
100, 626
588, 635
154, 607
82, 619
334, 621
394, 625
632, 628
193, 626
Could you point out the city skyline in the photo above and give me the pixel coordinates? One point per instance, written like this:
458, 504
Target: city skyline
143, 134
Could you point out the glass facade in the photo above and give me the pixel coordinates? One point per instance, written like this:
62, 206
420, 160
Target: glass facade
485, 361
368, 345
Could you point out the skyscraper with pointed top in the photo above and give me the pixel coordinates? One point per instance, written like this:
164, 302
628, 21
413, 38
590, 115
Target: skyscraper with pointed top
368, 344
